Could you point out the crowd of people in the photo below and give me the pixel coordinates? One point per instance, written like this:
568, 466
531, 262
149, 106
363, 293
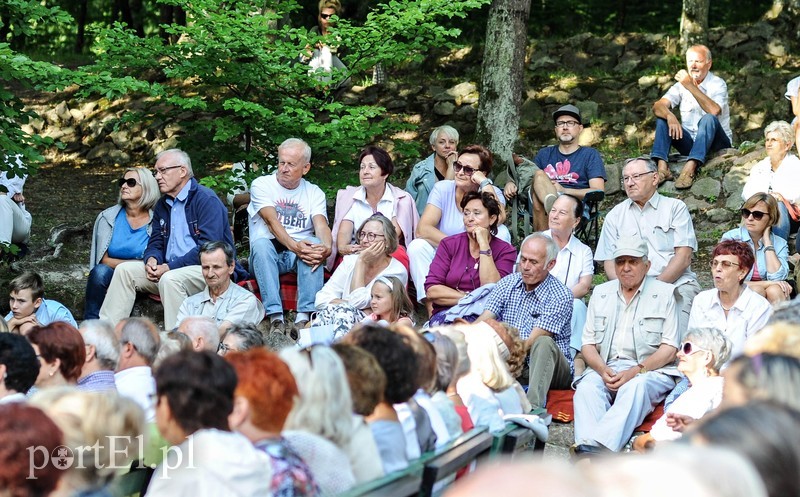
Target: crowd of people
220, 414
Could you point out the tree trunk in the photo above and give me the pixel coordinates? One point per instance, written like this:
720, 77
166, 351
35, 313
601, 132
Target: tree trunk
502, 78
694, 23
80, 40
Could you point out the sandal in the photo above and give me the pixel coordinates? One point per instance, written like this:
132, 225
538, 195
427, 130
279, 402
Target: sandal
684, 181
664, 176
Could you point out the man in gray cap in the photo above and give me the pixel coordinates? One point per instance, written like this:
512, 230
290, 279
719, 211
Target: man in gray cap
563, 168
630, 343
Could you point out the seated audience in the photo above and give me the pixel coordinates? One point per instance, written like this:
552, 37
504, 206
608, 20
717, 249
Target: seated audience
766, 433
102, 356
574, 263
443, 215
28, 306
731, 306
629, 345
346, 295
399, 364
224, 301
289, 233
467, 261
195, 392
202, 331
762, 377
777, 337
139, 341
389, 303
120, 234
187, 215
461, 370
171, 342
113, 426
61, 353
700, 357
325, 408
365, 377
19, 367
489, 391
21, 428
240, 338
263, 398
15, 220
327, 462
436, 167
779, 175
354, 205
768, 275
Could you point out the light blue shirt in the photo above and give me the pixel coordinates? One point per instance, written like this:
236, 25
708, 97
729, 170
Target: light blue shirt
49, 312
781, 250
180, 240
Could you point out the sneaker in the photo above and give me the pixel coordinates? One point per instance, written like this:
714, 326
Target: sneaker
549, 200
278, 326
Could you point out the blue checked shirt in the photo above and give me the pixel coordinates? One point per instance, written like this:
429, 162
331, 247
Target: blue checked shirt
548, 306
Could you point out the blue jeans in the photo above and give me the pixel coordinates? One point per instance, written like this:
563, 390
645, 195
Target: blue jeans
710, 138
267, 265
96, 288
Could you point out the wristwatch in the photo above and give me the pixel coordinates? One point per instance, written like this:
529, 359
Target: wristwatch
642, 369
485, 183
486, 252
769, 249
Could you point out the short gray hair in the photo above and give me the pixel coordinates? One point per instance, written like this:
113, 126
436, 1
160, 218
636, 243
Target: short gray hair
143, 335
201, 326
389, 233
100, 334
712, 340
150, 192
649, 163
182, 159
446, 130
297, 142
783, 129
551, 249
701, 48
248, 334
226, 248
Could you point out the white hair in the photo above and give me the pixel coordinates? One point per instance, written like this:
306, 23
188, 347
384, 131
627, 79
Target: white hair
297, 142
100, 334
485, 359
182, 159
201, 326
325, 406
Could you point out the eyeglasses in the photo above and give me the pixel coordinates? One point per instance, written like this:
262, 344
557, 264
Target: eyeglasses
635, 177
223, 348
724, 264
688, 348
566, 124
369, 236
757, 215
325, 16
131, 182
163, 170
469, 171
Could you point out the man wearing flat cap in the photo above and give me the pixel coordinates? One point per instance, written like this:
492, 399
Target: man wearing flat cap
563, 168
630, 342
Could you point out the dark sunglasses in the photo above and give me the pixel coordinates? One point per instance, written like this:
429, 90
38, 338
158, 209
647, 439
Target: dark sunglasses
457, 166
326, 16
757, 215
131, 182
689, 348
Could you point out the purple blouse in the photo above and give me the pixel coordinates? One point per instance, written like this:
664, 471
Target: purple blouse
454, 267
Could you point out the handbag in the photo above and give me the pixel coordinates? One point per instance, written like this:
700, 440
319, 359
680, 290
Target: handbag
794, 210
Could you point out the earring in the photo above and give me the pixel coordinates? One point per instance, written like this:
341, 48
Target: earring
52, 373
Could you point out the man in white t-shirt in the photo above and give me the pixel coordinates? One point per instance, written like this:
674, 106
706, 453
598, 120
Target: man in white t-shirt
288, 232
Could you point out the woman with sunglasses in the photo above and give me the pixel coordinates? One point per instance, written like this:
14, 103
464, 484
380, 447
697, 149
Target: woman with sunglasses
120, 234
443, 215
347, 294
768, 276
700, 357
375, 195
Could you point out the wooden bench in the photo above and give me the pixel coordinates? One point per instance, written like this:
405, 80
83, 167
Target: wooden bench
473, 446
516, 439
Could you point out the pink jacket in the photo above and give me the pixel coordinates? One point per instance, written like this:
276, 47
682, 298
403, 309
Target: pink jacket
407, 215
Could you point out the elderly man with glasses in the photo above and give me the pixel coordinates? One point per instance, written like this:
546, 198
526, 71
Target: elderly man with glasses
629, 343
565, 167
663, 223
187, 215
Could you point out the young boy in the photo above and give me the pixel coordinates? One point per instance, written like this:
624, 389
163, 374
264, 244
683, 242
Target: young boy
29, 309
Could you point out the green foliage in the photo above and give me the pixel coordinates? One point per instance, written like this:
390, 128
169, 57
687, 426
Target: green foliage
236, 73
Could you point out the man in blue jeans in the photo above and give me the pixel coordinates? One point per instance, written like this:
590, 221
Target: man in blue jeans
288, 233
705, 117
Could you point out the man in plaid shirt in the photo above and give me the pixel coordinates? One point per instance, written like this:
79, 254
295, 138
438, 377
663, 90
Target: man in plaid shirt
540, 306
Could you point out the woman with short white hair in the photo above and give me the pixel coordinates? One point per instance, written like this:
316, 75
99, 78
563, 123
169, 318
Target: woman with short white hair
778, 174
